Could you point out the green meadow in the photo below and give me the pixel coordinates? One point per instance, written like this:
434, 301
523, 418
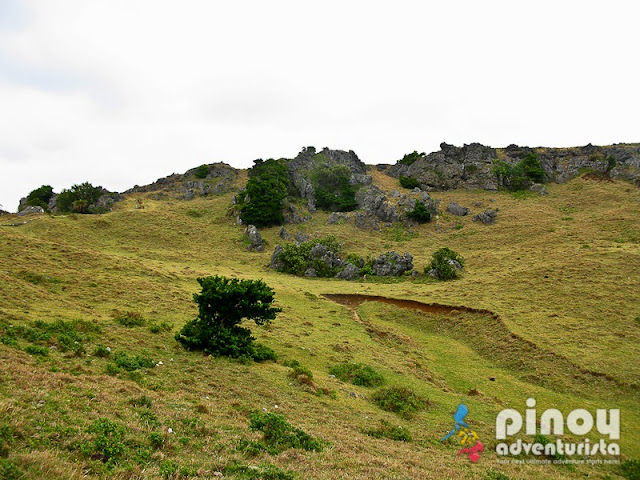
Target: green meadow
94, 385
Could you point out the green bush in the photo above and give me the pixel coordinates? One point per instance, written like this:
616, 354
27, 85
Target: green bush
386, 430
131, 363
410, 158
358, 374
78, 198
202, 171
101, 351
262, 472
440, 263
279, 435
156, 440
10, 471
332, 189
631, 469
40, 197
521, 175
297, 259
266, 188
6, 439
37, 350
129, 319
400, 400
222, 304
420, 213
409, 182
108, 442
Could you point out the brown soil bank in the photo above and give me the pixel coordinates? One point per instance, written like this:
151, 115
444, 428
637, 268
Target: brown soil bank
488, 335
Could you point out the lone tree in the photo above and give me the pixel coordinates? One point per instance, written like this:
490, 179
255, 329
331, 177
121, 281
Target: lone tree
222, 304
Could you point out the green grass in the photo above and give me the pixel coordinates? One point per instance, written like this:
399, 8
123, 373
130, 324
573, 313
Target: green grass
540, 288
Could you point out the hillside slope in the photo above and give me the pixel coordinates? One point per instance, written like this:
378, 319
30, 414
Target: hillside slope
556, 275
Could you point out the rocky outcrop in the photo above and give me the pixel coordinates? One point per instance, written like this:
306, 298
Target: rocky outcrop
455, 209
471, 166
256, 243
276, 262
308, 159
487, 217
392, 264
452, 167
218, 180
30, 211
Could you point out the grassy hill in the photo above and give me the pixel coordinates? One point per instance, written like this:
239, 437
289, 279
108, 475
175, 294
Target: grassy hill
554, 284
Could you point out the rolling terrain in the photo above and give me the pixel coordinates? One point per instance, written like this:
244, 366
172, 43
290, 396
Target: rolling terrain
547, 308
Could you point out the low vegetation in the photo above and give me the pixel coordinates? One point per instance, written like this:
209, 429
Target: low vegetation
358, 374
443, 262
410, 158
392, 432
408, 182
521, 175
80, 199
420, 213
222, 304
278, 435
400, 400
332, 188
40, 197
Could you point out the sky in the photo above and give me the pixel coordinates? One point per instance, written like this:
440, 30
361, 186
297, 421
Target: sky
123, 92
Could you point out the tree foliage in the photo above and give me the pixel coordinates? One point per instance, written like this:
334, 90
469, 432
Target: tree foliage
266, 191
40, 197
222, 305
409, 182
521, 175
420, 213
79, 198
332, 187
441, 262
410, 158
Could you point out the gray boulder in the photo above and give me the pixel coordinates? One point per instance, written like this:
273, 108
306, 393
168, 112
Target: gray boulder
539, 188
283, 234
393, 264
350, 272
255, 238
337, 217
300, 237
458, 210
30, 211
310, 272
276, 261
487, 217
365, 222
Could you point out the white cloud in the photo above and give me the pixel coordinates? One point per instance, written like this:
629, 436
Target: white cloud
125, 91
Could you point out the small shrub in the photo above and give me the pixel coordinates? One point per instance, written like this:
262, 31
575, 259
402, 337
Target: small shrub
631, 469
156, 440
169, 469
492, 474
410, 158
111, 369
409, 182
279, 435
264, 471
79, 198
386, 430
194, 213
160, 327
108, 443
332, 188
521, 175
262, 353
10, 471
441, 263
202, 171
358, 374
142, 401
37, 350
129, 319
6, 439
296, 259
131, 363
400, 400
101, 351
420, 213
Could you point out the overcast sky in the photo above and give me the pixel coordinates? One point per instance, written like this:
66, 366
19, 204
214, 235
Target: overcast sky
122, 92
